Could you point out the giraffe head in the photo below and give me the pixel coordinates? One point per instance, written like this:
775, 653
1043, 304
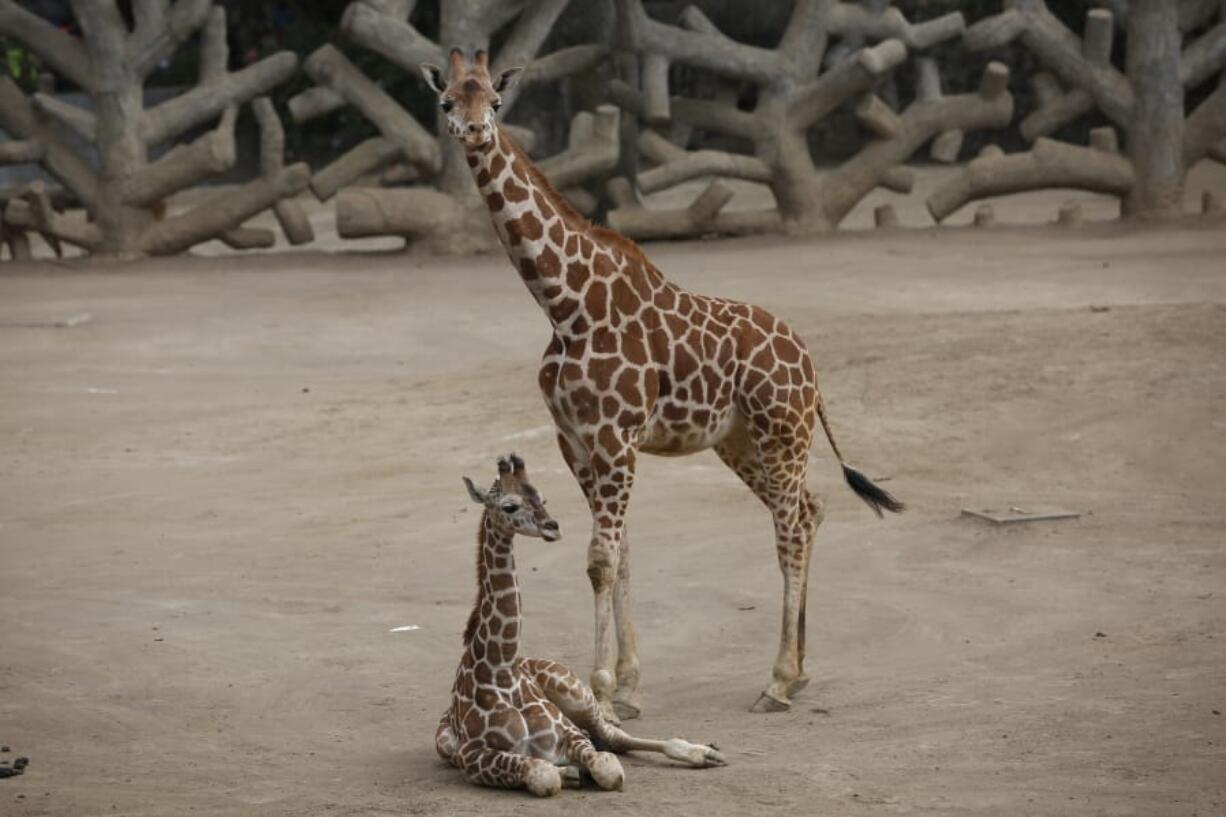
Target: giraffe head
470, 98
513, 505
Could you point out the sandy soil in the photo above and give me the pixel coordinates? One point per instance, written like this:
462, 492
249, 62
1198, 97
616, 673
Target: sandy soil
220, 493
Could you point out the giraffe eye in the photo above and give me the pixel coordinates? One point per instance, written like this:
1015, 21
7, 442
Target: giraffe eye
510, 506
447, 105
496, 105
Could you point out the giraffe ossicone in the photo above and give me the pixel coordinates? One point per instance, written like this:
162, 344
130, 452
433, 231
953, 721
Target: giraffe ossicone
518, 722
639, 364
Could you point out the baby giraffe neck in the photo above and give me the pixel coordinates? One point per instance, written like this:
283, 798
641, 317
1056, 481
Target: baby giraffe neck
493, 628
545, 239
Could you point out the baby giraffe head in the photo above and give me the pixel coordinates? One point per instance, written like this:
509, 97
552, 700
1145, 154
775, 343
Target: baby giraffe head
513, 505
470, 98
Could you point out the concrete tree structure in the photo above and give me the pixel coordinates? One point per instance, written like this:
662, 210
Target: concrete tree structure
1172, 46
794, 93
124, 195
444, 211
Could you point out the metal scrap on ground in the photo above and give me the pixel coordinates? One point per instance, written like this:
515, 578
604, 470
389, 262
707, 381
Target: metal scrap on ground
1014, 514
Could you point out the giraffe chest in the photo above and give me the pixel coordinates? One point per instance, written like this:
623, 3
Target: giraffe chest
514, 716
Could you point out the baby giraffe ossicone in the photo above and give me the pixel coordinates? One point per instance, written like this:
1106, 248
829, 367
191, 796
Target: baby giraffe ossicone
520, 722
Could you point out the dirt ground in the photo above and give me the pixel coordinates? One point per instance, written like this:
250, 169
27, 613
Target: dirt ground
221, 491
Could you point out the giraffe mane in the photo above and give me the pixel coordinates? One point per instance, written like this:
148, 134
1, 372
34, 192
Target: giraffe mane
474, 617
576, 220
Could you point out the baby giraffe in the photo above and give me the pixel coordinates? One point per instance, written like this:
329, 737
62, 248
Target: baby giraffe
527, 722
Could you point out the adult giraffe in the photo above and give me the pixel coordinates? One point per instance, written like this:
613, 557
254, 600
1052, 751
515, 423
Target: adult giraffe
637, 364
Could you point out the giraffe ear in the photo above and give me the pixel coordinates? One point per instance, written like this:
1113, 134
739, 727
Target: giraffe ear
506, 79
474, 492
433, 75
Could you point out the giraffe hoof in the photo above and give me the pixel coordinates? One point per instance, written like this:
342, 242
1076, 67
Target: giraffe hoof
543, 779
797, 685
769, 703
626, 710
694, 754
572, 777
606, 770
608, 712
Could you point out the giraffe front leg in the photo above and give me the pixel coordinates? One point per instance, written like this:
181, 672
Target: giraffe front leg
504, 770
613, 476
605, 473
602, 558
626, 701
445, 741
604, 767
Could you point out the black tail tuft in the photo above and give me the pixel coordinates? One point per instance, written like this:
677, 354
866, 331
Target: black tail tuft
870, 493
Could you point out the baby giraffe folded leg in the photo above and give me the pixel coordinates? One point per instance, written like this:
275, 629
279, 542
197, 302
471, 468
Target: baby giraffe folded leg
577, 701
506, 770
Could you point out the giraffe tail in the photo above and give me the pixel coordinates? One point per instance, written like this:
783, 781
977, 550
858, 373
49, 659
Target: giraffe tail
873, 495
876, 497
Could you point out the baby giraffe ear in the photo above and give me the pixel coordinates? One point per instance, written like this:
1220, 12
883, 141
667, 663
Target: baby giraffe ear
474, 492
506, 79
433, 75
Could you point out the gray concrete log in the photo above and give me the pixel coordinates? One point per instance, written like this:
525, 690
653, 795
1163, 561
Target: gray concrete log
222, 211
416, 213
844, 81
562, 63
591, 150
289, 213
159, 31
702, 49
1056, 107
330, 68
885, 217
1205, 57
1204, 132
75, 118
205, 102
898, 179
314, 103
704, 216
389, 35
33, 211
847, 184
248, 238
62, 52
1049, 164
19, 120
366, 157
17, 240
1156, 130
1060, 50
675, 165
21, 151
889, 23
184, 166
946, 146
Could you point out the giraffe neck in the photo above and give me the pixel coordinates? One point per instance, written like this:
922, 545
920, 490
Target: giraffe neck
492, 634
547, 241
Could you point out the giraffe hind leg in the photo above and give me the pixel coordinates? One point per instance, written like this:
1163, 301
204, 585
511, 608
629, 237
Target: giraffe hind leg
576, 701
774, 469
